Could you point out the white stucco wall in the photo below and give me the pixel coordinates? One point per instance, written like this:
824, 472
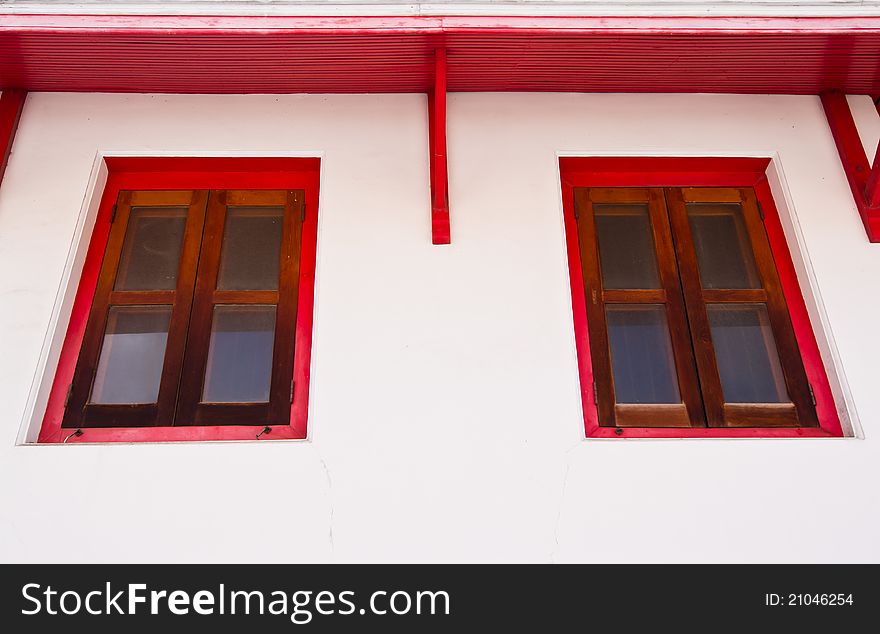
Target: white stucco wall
445, 419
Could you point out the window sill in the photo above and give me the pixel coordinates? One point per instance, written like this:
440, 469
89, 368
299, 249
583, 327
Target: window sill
705, 432
92, 435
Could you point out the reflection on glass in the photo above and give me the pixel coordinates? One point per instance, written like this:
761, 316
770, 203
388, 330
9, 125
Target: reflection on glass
642, 363
626, 246
239, 368
151, 251
745, 350
724, 252
132, 355
251, 249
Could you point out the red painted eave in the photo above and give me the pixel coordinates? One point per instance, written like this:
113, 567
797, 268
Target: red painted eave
199, 54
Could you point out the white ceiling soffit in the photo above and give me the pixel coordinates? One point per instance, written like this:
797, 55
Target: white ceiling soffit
784, 8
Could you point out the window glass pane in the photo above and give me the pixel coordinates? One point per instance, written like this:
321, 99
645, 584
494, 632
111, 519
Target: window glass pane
132, 355
251, 249
626, 246
239, 368
745, 350
151, 250
724, 252
642, 363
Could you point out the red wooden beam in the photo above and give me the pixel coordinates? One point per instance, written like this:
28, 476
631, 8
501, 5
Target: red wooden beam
11, 105
864, 182
872, 190
440, 231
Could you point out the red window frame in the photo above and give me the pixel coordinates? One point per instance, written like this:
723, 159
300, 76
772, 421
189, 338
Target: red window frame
691, 172
161, 173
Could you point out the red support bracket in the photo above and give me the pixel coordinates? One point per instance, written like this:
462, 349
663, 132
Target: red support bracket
863, 180
440, 232
11, 105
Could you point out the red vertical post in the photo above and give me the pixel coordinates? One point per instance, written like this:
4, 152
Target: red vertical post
11, 105
440, 230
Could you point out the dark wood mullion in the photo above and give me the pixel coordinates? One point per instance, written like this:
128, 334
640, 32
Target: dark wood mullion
677, 319
698, 319
180, 314
196, 356
596, 323
87, 362
777, 309
281, 390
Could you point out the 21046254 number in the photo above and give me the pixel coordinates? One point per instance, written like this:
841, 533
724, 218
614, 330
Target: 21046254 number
772, 599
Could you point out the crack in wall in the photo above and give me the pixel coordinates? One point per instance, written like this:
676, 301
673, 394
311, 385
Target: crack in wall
329, 501
567, 458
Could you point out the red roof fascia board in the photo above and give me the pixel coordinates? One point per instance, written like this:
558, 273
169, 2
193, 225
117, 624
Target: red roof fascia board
247, 54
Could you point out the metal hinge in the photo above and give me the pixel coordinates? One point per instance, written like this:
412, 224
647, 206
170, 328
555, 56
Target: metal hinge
595, 393
577, 214
67, 398
292, 387
812, 395
302, 213
761, 211
113, 215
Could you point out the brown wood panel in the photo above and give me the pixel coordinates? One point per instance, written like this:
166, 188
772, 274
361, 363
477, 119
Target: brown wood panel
151, 198
653, 415
146, 298
727, 295
669, 296
637, 296
719, 413
761, 415
256, 197
710, 195
137, 415
231, 414
79, 411
191, 410
612, 195
245, 297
